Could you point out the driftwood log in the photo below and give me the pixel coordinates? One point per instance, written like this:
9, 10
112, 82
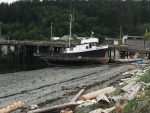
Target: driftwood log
96, 93
116, 98
132, 92
102, 99
67, 110
13, 107
97, 111
57, 107
109, 110
77, 96
128, 80
128, 86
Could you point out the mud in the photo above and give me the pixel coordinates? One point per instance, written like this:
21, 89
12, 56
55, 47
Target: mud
57, 85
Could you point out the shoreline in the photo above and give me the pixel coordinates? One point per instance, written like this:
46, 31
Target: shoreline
42, 86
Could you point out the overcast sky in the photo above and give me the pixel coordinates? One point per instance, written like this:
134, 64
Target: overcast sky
8, 1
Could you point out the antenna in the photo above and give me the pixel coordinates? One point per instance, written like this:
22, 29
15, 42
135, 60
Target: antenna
73, 15
71, 18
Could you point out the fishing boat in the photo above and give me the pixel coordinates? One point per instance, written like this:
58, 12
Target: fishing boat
87, 52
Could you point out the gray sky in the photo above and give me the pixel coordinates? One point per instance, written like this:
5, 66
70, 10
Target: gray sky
8, 1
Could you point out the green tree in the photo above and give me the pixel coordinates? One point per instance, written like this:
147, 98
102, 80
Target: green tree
146, 36
32, 35
23, 35
16, 35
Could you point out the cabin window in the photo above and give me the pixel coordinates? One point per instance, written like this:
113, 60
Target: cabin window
71, 49
90, 45
94, 44
87, 47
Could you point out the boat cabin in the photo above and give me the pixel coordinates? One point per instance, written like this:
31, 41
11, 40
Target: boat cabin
87, 44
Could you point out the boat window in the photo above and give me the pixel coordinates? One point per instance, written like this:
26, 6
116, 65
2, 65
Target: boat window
62, 50
71, 49
87, 47
90, 45
94, 44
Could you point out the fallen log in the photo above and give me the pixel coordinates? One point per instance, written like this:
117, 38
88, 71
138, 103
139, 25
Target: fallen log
128, 92
121, 83
108, 110
96, 93
13, 107
116, 108
126, 73
126, 80
116, 98
73, 100
132, 92
68, 111
77, 96
57, 107
102, 99
97, 111
128, 86
86, 103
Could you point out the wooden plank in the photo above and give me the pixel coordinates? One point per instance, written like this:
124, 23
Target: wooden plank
13, 107
57, 107
96, 93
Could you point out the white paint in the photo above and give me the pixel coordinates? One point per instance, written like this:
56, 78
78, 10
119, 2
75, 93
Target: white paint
90, 45
115, 42
55, 38
89, 40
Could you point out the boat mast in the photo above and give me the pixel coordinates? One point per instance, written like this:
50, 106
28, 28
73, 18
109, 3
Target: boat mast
71, 20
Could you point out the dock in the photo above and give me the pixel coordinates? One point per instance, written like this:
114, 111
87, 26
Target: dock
22, 51
130, 47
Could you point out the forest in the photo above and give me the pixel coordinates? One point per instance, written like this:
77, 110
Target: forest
31, 19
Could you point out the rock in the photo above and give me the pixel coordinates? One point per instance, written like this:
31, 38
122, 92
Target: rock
33, 107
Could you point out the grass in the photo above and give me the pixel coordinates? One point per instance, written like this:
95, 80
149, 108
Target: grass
130, 107
94, 106
139, 105
145, 78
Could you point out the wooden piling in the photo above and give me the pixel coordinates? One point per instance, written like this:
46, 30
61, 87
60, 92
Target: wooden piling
149, 56
114, 53
0, 52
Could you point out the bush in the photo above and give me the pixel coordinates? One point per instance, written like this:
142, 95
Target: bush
146, 36
145, 78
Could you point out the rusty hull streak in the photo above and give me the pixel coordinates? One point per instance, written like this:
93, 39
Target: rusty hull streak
103, 60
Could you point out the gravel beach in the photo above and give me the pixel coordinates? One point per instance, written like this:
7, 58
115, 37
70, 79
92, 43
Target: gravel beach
52, 86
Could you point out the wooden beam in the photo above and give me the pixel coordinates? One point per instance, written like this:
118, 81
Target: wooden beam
57, 107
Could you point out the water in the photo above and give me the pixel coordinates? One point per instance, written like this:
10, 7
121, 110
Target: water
8, 65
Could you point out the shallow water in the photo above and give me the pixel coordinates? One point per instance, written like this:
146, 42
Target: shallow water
11, 66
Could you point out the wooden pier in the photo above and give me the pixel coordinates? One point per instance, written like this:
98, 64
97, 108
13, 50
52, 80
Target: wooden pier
21, 52
130, 48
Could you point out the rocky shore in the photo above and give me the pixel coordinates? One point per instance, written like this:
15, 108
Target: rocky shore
52, 86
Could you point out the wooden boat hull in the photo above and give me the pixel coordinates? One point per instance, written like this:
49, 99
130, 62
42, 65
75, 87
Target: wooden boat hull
90, 57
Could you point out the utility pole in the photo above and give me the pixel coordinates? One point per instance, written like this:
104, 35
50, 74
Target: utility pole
71, 20
120, 32
146, 31
0, 28
51, 30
